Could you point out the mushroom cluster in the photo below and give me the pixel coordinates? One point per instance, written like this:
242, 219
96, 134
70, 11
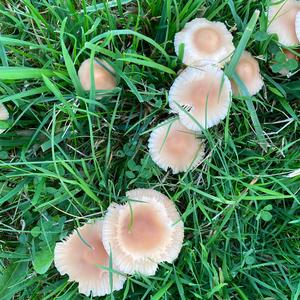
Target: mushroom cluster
132, 238
147, 230
201, 94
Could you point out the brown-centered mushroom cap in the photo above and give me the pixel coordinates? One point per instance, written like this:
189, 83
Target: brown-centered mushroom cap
282, 19
4, 115
205, 42
103, 75
143, 232
201, 97
172, 145
249, 73
81, 256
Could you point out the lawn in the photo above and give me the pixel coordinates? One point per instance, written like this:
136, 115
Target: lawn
66, 155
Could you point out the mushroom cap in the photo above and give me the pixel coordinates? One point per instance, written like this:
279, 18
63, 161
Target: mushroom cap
143, 232
282, 20
81, 257
200, 97
103, 75
249, 72
4, 115
297, 25
205, 42
172, 145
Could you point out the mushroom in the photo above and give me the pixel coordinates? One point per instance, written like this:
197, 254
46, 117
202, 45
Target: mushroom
172, 145
82, 255
297, 25
4, 115
201, 97
249, 73
103, 75
143, 232
282, 20
205, 42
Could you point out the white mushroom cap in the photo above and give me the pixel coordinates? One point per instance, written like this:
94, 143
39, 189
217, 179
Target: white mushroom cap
144, 232
103, 75
249, 72
172, 145
205, 42
201, 97
282, 20
297, 25
4, 115
81, 257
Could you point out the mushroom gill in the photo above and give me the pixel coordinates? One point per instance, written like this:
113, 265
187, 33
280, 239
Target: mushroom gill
201, 97
81, 256
144, 232
172, 145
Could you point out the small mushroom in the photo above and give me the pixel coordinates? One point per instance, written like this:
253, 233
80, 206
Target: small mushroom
205, 42
297, 26
103, 75
249, 73
81, 255
172, 145
282, 20
201, 97
4, 115
144, 232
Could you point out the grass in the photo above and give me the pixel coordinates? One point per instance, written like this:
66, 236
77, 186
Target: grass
67, 156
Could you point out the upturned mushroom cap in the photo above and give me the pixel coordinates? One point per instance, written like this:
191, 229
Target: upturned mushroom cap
4, 115
297, 25
205, 42
201, 97
81, 257
249, 72
172, 145
143, 232
103, 75
282, 20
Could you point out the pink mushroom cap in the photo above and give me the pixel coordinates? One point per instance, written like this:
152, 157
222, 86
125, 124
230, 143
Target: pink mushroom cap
205, 42
249, 72
201, 97
81, 255
172, 145
144, 232
103, 75
282, 20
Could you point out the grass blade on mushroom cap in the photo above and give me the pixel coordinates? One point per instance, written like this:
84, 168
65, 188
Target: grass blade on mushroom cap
242, 44
230, 71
